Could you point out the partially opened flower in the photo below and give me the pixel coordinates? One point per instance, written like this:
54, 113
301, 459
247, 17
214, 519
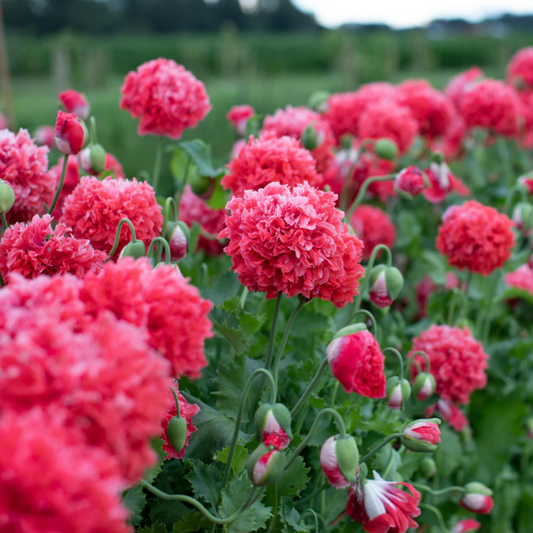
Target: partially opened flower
422, 435
265, 466
71, 134
411, 180
466, 526
381, 506
478, 498
238, 117
273, 425
356, 360
374, 227
75, 102
339, 458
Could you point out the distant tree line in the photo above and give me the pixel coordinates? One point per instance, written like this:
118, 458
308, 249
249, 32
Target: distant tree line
154, 16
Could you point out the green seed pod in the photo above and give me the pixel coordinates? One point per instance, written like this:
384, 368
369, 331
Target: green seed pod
428, 467
135, 249
199, 184
386, 149
177, 432
7, 197
310, 138
92, 159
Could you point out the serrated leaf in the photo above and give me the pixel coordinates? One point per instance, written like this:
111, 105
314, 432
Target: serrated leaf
294, 479
249, 324
191, 522
291, 520
226, 286
200, 153
135, 500
239, 459
234, 336
166, 511
205, 480
154, 528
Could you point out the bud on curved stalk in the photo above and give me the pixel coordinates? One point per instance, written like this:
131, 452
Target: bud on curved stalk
7, 197
385, 284
339, 459
273, 425
523, 216
92, 159
398, 392
265, 466
74, 102
422, 435
71, 134
466, 526
177, 432
177, 235
477, 498
411, 180
135, 249
428, 467
386, 149
424, 386
319, 101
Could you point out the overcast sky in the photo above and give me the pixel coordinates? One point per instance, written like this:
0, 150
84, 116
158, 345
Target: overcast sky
404, 13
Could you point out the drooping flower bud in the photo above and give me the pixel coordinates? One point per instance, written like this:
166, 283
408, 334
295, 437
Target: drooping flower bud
92, 159
422, 435
526, 181
273, 425
7, 197
339, 459
523, 216
466, 526
71, 134
310, 138
428, 467
75, 102
424, 386
385, 284
177, 432
135, 249
177, 235
386, 149
265, 466
398, 392
411, 180
478, 498
319, 101
44, 136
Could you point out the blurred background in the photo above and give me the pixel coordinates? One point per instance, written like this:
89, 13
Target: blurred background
267, 53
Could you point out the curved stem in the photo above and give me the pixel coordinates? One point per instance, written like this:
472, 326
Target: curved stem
157, 164
311, 511
285, 337
117, 235
399, 357
437, 513
362, 191
178, 414
199, 506
310, 388
411, 359
60, 185
440, 492
510, 197
379, 446
369, 315
170, 212
165, 246
327, 411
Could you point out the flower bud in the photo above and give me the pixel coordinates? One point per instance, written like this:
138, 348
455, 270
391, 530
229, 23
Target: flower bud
44, 136
135, 249
265, 466
385, 284
199, 184
386, 149
422, 435
466, 526
71, 133
273, 425
428, 467
478, 498
177, 235
7, 197
411, 180
424, 386
398, 392
319, 101
526, 181
92, 159
310, 138
75, 102
438, 157
339, 459
523, 216
177, 432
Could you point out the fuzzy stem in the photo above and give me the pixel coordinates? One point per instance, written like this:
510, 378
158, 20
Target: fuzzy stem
439, 492
117, 235
5, 225
362, 191
369, 315
420, 352
308, 391
92, 131
348, 178
378, 447
399, 357
165, 246
178, 413
157, 164
464, 311
60, 185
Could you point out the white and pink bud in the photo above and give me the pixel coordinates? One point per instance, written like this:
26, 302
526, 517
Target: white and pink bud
424, 386
177, 235
385, 284
527, 182
71, 134
266, 465
75, 102
44, 136
92, 159
273, 425
411, 180
466, 526
339, 459
523, 216
477, 498
422, 435
398, 392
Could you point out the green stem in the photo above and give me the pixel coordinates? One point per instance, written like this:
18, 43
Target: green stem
178, 413
170, 213
199, 506
5, 225
165, 246
333, 396
379, 446
464, 311
312, 512
244, 297
399, 357
157, 164
285, 337
60, 184
274, 518
484, 330
362, 191
327, 411
437, 513
439, 492
316, 493
510, 198
183, 181
117, 235
309, 390
348, 178
92, 131
369, 315
411, 359
273, 330
451, 311
503, 152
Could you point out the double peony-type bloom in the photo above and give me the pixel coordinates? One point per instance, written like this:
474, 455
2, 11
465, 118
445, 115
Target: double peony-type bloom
293, 242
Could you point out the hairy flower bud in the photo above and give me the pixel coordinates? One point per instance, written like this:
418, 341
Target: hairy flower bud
424, 386
422, 435
386, 149
478, 498
71, 133
339, 459
265, 466
398, 392
7, 197
523, 216
92, 159
411, 180
134, 249
177, 235
428, 467
385, 284
273, 425
177, 432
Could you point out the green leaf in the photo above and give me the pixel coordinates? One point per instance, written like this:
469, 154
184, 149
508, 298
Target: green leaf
154, 471
135, 500
154, 528
291, 520
294, 479
205, 480
200, 153
226, 286
513, 293
235, 495
449, 452
435, 265
166, 511
219, 198
239, 459
234, 336
191, 522
249, 324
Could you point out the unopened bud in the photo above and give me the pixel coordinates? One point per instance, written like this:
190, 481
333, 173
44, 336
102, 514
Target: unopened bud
385, 285
92, 159
7, 197
339, 458
177, 235
424, 386
177, 432
71, 134
386, 149
310, 138
478, 498
273, 425
135, 249
319, 101
411, 180
266, 465
428, 467
422, 435
398, 392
